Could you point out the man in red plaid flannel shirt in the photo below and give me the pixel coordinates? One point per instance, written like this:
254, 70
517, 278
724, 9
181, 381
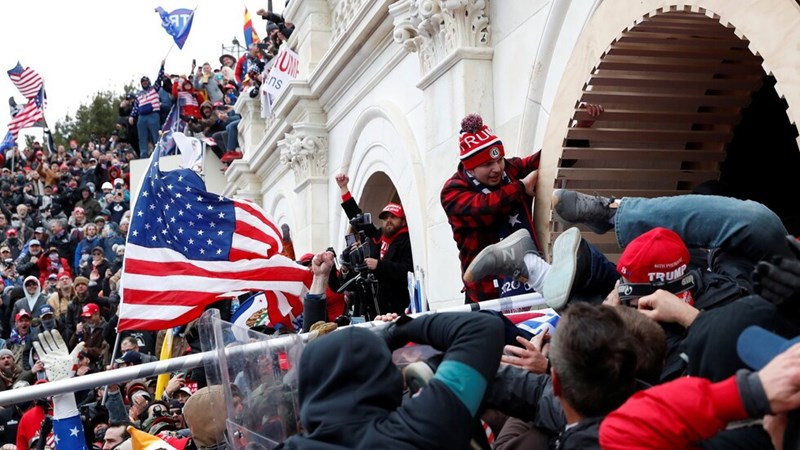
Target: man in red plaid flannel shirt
487, 199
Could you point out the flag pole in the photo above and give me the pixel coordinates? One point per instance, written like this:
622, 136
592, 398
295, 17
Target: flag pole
191, 361
169, 50
113, 357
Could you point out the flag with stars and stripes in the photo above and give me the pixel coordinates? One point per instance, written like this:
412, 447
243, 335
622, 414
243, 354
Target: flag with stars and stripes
68, 433
30, 114
27, 80
186, 246
172, 124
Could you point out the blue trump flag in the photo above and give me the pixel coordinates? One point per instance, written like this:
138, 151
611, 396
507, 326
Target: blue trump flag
7, 143
177, 23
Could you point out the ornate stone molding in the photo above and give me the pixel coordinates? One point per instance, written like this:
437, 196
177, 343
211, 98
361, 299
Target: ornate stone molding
435, 28
342, 14
305, 154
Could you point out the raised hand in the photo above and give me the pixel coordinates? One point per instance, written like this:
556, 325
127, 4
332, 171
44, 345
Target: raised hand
59, 363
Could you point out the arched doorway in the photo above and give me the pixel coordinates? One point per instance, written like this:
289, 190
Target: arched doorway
378, 191
683, 96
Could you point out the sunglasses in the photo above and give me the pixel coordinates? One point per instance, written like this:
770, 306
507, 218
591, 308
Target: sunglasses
5, 251
30, 284
96, 253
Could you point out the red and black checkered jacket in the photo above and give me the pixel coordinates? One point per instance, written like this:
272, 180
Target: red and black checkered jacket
474, 216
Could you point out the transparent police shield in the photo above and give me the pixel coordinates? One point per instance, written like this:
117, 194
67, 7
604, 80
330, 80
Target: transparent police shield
258, 374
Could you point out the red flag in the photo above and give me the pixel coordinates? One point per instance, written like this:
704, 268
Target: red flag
27, 80
186, 246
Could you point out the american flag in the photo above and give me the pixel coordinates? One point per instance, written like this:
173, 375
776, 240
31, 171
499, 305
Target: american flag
186, 246
27, 80
67, 433
31, 113
172, 124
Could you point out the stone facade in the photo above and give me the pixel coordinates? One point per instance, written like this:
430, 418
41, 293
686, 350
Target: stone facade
383, 86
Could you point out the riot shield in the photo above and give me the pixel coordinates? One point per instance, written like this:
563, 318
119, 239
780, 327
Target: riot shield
259, 376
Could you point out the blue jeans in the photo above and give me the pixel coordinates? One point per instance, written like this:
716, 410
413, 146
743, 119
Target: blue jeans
743, 228
147, 125
232, 138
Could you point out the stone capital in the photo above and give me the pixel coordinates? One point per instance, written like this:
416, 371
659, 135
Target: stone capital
436, 28
306, 153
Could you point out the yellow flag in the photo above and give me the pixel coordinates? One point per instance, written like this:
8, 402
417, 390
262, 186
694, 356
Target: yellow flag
166, 353
146, 441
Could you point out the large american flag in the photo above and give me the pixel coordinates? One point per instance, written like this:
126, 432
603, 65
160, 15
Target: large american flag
27, 80
186, 246
31, 113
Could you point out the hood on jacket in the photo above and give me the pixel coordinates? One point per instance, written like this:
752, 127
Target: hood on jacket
207, 104
346, 379
32, 297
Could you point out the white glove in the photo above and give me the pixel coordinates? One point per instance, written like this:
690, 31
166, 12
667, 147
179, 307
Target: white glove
53, 352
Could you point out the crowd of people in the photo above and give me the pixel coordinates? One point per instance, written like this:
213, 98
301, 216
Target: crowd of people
689, 340
204, 97
64, 217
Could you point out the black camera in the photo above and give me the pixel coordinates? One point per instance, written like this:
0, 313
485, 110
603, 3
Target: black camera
361, 220
356, 253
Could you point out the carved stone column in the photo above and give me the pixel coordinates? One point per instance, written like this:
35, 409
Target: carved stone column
436, 28
304, 149
252, 127
306, 155
453, 41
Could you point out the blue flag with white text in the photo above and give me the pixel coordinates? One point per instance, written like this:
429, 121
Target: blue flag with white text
177, 23
7, 143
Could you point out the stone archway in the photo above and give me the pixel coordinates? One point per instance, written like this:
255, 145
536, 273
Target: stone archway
377, 192
674, 85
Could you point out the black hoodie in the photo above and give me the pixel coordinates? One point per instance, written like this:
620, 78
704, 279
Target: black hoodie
351, 395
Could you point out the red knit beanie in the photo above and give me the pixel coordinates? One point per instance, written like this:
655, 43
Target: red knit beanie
478, 143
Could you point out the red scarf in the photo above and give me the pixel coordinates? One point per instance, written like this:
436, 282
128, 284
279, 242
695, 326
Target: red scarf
386, 242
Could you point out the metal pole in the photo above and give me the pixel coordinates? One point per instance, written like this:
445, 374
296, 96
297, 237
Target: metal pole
91, 381
113, 357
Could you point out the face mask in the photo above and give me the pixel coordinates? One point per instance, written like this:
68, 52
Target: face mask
15, 224
49, 324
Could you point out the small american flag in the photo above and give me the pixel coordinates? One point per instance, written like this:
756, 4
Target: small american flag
27, 80
31, 113
172, 124
186, 246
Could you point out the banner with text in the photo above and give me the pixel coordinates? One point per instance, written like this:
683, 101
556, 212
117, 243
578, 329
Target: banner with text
285, 68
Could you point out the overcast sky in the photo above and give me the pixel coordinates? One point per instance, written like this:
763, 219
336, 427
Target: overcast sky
87, 46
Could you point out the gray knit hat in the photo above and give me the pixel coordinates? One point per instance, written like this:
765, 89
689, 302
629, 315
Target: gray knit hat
6, 352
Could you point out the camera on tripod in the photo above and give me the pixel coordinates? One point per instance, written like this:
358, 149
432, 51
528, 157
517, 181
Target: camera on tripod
358, 252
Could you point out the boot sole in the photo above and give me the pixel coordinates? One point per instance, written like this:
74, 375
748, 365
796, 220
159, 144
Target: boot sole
510, 241
558, 281
603, 229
